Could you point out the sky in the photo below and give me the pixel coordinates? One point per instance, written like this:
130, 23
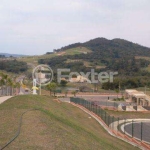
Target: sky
34, 27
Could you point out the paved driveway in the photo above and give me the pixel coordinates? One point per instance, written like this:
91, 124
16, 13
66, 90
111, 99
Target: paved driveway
137, 133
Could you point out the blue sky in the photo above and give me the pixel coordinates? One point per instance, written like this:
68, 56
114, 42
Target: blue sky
37, 26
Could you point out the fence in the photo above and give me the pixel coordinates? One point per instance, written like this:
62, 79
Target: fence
107, 104
129, 127
5, 91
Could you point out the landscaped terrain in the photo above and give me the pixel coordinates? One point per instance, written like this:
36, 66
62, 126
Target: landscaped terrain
54, 125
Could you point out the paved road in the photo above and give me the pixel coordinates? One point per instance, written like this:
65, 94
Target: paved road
102, 100
145, 134
98, 97
4, 98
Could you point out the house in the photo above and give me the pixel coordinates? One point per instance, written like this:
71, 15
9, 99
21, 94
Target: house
80, 79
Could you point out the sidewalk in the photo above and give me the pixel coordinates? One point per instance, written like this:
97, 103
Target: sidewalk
4, 98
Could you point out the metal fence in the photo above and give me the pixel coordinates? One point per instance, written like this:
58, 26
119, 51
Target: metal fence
5, 91
108, 104
129, 127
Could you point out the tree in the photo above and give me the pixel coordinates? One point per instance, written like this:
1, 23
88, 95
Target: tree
10, 84
17, 87
63, 83
2, 82
52, 87
74, 93
5, 81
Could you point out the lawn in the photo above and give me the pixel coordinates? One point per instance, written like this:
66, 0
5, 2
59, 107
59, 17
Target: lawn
129, 115
54, 126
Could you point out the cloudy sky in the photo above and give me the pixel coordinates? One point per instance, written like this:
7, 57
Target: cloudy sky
38, 26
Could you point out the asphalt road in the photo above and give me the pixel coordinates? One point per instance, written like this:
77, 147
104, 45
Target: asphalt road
102, 100
98, 97
144, 135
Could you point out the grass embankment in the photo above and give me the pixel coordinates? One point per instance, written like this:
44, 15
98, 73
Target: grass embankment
58, 126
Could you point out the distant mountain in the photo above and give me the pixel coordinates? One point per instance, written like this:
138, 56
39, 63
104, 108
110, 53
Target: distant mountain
117, 46
14, 55
130, 60
106, 55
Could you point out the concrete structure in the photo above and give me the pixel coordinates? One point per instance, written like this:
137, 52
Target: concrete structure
137, 97
80, 79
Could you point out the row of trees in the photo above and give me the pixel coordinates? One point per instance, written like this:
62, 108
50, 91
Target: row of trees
8, 85
127, 83
13, 66
52, 87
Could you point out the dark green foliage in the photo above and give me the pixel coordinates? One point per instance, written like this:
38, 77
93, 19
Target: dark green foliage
13, 66
63, 83
117, 55
127, 83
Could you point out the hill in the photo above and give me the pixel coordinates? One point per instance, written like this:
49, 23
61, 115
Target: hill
130, 60
53, 126
114, 55
119, 46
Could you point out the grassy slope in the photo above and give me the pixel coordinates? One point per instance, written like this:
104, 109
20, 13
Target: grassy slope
77, 50
73, 51
129, 115
57, 126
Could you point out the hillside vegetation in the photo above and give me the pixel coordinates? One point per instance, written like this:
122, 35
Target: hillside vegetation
54, 125
130, 60
117, 55
13, 66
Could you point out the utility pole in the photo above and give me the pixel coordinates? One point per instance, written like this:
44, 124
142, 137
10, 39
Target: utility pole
40, 77
40, 82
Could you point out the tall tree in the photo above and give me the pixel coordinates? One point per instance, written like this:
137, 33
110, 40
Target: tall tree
52, 87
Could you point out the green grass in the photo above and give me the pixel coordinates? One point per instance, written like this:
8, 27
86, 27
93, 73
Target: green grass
55, 126
73, 51
129, 115
77, 50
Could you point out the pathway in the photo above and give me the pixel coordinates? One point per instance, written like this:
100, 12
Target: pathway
4, 98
